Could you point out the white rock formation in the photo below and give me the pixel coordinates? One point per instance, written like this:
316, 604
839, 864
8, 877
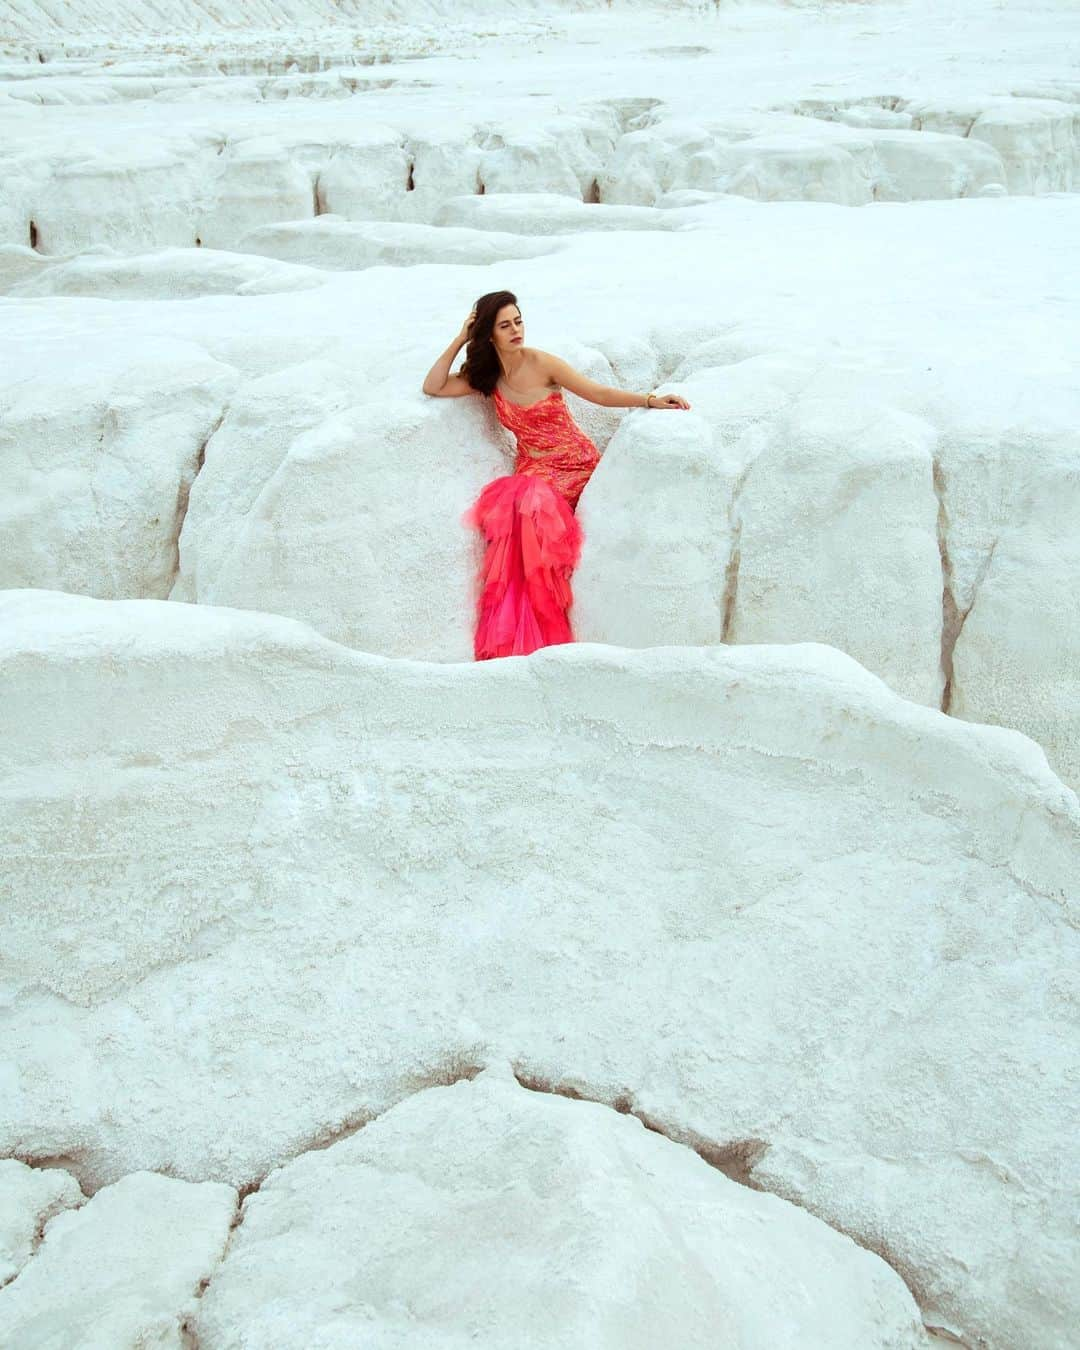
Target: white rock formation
484, 1213
759, 530
1037, 139
1012, 663
531, 213
96, 461
29, 1198
257, 888
35, 21
641, 586
780, 157
343, 245
133, 162
316, 501
123, 1271
324, 879
169, 274
388, 567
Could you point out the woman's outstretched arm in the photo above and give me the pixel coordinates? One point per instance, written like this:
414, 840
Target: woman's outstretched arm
438, 382
605, 394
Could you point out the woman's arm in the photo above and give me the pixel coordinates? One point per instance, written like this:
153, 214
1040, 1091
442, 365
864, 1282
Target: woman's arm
438, 382
605, 394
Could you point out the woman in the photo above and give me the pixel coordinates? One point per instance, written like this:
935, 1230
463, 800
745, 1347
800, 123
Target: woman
527, 517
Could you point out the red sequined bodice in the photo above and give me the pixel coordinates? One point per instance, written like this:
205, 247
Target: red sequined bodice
550, 444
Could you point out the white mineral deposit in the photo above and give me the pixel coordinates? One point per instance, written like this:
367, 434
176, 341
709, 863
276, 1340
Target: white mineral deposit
708, 981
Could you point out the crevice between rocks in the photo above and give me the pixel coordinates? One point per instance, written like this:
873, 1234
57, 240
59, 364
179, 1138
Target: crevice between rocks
737, 1159
945, 1337
183, 495
455, 1071
731, 586
731, 572
38, 1236
951, 623
952, 617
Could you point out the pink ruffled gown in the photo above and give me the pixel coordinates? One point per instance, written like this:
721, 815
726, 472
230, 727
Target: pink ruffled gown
533, 536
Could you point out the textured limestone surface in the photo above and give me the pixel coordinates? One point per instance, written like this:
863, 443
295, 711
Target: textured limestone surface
123, 1271
265, 886
297, 902
29, 1197
602, 1233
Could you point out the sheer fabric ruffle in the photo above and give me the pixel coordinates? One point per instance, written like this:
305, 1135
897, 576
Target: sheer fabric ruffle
533, 538
533, 543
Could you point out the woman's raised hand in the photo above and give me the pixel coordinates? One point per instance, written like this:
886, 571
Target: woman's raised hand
669, 401
467, 325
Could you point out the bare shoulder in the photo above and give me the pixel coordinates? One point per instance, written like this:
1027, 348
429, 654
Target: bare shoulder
548, 366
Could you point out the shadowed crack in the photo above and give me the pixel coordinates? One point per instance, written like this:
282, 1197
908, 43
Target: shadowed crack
38, 1236
189, 1334
183, 496
454, 1071
952, 617
942, 1337
951, 622
735, 1158
731, 574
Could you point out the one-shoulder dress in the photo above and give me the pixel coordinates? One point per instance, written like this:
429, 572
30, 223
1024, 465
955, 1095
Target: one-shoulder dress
533, 535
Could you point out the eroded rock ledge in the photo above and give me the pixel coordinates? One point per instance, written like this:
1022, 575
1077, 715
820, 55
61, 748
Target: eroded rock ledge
264, 886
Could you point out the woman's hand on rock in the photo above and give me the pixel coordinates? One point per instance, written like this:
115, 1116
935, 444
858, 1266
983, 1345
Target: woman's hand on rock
669, 401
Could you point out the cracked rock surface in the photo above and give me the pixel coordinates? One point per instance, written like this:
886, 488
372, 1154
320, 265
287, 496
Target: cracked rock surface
122, 1271
482, 1212
747, 888
483, 986
29, 1198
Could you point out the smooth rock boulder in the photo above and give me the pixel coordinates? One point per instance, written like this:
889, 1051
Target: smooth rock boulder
755, 519
601, 1232
327, 878
316, 503
337, 244
1037, 140
166, 274
1014, 662
927, 167
833, 484
781, 156
549, 213
658, 538
96, 462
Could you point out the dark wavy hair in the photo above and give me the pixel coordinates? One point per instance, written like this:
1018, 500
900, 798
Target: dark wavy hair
482, 368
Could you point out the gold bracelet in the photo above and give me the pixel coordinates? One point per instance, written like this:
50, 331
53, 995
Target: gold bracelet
649, 398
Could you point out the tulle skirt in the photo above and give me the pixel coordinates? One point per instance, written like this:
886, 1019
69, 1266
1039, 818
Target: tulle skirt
533, 545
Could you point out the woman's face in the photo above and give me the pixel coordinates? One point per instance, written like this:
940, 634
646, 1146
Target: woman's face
509, 331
